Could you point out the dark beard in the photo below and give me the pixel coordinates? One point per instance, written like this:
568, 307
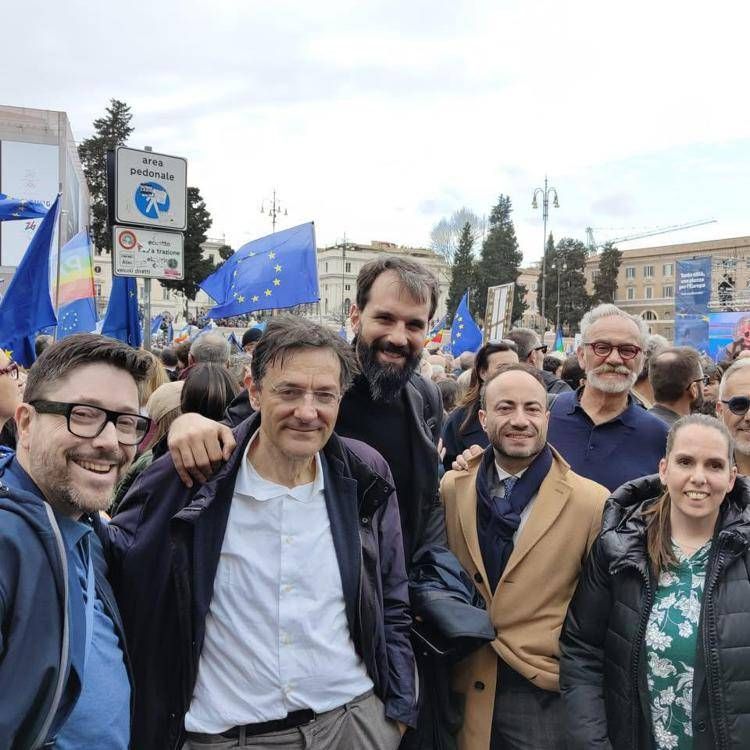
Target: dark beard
386, 381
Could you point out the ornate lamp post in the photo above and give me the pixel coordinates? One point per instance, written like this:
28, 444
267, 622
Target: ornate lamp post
273, 211
545, 193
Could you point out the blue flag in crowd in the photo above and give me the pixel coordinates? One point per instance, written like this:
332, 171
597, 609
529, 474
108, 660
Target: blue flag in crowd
121, 320
465, 333
170, 332
27, 305
234, 343
276, 271
156, 324
559, 345
13, 208
76, 305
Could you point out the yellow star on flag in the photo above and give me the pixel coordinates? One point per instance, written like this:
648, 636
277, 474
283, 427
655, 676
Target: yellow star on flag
271, 255
277, 268
255, 298
268, 292
276, 282
461, 326
240, 298
458, 335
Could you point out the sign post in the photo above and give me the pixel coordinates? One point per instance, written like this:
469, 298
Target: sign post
147, 195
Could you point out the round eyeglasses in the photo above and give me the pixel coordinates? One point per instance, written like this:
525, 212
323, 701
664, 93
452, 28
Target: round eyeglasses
604, 349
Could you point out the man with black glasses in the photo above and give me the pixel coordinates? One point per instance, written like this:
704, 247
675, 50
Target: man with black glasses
63, 671
532, 350
733, 408
599, 429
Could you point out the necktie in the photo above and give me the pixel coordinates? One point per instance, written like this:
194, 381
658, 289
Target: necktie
508, 484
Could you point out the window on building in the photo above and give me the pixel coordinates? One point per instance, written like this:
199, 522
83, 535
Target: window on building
649, 292
97, 269
631, 292
326, 266
594, 275
98, 288
667, 269
347, 287
667, 291
348, 267
648, 272
649, 315
166, 293
630, 272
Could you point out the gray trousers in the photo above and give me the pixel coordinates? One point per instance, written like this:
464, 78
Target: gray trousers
358, 725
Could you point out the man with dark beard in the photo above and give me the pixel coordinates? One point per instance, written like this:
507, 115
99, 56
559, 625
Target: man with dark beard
63, 674
521, 523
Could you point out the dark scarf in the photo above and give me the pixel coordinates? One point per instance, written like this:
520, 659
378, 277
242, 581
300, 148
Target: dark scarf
498, 518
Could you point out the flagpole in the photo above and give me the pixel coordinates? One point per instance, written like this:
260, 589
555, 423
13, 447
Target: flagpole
59, 254
317, 274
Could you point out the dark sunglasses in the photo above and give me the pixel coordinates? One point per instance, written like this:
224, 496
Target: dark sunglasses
543, 348
737, 404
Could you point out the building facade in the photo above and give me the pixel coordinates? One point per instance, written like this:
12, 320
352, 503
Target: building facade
646, 279
338, 266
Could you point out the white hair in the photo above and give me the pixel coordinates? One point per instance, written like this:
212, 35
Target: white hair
739, 364
607, 310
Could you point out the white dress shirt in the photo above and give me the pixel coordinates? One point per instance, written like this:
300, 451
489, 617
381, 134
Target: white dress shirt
277, 638
501, 475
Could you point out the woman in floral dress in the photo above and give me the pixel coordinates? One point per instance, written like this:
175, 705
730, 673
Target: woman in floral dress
655, 652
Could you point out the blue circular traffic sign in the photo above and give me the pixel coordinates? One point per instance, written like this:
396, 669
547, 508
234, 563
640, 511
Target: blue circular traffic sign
151, 199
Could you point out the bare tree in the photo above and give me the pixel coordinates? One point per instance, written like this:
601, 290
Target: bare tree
446, 234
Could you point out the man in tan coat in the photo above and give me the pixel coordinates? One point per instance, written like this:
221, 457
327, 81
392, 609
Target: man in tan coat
521, 523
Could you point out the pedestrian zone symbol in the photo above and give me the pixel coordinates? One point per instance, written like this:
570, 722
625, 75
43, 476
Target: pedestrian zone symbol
151, 199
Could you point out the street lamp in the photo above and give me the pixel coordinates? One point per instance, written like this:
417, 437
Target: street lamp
545, 193
558, 267
273, 211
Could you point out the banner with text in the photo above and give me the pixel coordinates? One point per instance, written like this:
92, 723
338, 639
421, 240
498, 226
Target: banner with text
692, 295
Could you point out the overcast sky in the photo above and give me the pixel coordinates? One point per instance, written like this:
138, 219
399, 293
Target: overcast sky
376, 119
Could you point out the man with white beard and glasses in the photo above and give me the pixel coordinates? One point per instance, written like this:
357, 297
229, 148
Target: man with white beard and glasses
733, 408
599, 429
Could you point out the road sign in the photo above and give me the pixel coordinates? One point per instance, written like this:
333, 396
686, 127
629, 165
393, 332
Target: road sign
147, 253
150, 189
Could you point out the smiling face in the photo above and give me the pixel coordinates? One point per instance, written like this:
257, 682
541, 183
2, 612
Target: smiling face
78, 475
516, 417
390, 331
297, 425
697, 473
611, 374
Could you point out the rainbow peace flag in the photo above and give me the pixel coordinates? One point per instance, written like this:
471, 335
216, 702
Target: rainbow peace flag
76, 304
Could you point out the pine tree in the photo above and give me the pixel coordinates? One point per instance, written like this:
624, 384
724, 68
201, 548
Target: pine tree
111, 131
570, 264
605, 285
501, 259
550, 288
197, 267
463, 269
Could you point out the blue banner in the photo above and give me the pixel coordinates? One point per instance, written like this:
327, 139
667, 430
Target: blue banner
692, 295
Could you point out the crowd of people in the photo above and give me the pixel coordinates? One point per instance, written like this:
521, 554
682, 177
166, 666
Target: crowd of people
316, 545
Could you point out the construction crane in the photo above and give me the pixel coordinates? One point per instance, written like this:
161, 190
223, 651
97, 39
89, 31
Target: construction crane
593, 247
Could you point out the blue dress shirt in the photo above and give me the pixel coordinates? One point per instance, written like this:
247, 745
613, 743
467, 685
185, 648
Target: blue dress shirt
612, 453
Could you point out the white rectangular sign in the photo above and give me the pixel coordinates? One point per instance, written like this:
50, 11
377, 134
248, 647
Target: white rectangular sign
147, 253
499, 311
150, 189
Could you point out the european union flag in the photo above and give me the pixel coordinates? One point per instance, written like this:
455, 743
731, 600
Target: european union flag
156, 324
435, 330
121, 320
276, 271
465, 333
27, 305
76, 306
234, 343
14, 208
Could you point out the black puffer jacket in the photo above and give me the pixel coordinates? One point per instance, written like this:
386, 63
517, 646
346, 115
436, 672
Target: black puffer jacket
602, 663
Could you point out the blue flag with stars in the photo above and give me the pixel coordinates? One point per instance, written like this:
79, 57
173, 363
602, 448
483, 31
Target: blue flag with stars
13, 209
156, 324
270, 273
27, 306
465, 333
121, 320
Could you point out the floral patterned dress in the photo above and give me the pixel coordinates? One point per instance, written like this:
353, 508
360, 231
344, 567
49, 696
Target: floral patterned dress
671, 644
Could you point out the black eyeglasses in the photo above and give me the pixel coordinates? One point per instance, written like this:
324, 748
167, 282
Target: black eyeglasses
543, 348
737, 404
604, 349
11, 370
86, 421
